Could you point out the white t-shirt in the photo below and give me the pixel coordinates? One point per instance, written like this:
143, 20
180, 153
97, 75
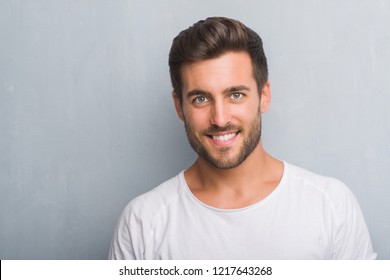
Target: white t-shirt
307, 216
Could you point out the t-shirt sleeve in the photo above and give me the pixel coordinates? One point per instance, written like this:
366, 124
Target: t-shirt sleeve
128, 240
350, 236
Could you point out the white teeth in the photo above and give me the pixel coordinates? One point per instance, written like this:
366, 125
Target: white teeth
224, 138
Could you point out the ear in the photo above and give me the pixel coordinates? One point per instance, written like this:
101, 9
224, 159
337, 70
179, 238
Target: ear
178, 107
265, 101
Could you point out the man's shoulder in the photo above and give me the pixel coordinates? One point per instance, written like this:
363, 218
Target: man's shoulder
329, 186
322, 191
161, 196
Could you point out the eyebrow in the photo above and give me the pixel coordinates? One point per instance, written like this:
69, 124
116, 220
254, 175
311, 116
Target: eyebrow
236, 88
196, 92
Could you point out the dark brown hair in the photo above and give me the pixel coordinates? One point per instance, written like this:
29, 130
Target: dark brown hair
212, 38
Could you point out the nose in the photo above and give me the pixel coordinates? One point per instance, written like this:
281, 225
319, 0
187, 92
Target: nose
220, 115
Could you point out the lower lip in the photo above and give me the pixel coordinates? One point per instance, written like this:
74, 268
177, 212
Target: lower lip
224, 143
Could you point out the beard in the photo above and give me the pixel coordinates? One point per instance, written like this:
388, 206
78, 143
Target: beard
224, 159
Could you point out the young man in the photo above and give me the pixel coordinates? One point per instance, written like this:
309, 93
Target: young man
235, 201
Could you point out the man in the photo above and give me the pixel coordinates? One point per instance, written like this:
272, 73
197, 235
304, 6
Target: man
235, 201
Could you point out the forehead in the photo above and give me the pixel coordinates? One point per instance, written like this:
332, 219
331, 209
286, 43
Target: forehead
217, 74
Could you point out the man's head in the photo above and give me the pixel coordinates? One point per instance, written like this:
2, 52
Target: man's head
220, 79
212, 38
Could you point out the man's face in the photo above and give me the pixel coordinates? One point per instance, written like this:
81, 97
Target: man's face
221, 108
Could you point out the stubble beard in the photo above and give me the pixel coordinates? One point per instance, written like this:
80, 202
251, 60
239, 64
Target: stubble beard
224, 160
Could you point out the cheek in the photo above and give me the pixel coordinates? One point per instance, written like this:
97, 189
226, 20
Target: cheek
247, 112
196, 117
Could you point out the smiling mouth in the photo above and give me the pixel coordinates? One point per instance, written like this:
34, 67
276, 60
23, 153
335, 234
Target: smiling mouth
223, 138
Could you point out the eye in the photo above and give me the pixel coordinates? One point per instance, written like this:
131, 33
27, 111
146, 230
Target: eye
236, 95
200, 99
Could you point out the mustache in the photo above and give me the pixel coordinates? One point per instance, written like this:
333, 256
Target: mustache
217, 129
